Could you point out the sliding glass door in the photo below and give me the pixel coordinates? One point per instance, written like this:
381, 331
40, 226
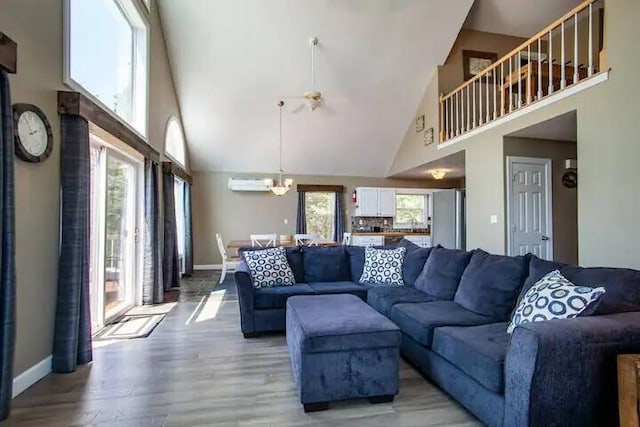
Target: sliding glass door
178, 194
114, 233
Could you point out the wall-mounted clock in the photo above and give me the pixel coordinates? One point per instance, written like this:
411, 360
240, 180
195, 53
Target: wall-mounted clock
570, 179
32, 131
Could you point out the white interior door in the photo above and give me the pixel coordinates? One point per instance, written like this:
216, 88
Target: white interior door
529, 219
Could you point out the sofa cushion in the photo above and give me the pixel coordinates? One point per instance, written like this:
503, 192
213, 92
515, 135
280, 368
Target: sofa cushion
276, 297
554, 297
383, 266
269, 267
622, 286
418, 320
491, 283
442, 272
383, 298
294, 257
339, 288
325, 264
478, 351
414, 261
538, 268
356, 260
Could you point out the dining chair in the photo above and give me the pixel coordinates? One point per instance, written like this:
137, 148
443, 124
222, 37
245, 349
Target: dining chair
263, 240
227, 261
306, 239
346, 239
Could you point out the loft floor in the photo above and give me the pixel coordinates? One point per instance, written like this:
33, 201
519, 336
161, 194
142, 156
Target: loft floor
196, 369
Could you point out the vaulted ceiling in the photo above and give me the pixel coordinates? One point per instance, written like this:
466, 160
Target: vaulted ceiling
233, 60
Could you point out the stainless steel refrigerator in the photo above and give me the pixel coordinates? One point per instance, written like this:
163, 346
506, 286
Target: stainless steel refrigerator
448, 219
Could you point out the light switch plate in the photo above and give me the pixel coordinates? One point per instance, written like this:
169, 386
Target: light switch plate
286, 220
493, 219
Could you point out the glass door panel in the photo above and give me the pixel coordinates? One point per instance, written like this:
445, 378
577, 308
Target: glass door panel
178, 193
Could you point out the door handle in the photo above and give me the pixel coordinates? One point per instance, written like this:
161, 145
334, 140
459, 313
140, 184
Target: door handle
545, 238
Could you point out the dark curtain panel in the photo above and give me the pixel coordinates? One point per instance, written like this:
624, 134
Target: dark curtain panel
170, 262
152, 291
7, 249
338, 219
188, 231
301, 221
72, 335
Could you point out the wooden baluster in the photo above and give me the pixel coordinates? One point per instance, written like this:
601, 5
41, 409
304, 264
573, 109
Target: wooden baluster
495, 94
487, 84
528, 83
576, 76
442, 131
451, 128
590, 69
539, 69
519, 68
468, 108
473, 98
458, 113
464, 123
510, 86
480, 104
502, 82
563, 77
550, 59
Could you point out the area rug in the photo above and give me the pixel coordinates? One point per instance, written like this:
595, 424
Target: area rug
130, 326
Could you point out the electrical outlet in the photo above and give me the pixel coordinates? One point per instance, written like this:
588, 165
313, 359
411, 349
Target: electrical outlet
493, 219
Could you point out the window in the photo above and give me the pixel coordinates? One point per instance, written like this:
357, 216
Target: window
178, 194
320, 208
106, 56
412, 210
174, 143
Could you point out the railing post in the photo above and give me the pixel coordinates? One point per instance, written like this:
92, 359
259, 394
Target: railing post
473, 85
502, 88
442, 130
550, 59
487, 84
481, 118
510, 86
563, 79
451, 129
590, 70
519, 68
495, 94
468, 109
458, 113
528, 83
540, 93
576, 76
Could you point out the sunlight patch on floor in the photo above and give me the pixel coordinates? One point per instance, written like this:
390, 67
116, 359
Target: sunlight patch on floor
211, 307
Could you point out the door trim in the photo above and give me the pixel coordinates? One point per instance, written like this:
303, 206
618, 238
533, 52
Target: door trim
549, 198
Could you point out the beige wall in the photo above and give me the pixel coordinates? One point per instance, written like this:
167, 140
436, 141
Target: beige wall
564, 200
37, 27
609, 202
235, 215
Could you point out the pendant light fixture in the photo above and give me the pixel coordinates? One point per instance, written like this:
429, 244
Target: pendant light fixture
281, 186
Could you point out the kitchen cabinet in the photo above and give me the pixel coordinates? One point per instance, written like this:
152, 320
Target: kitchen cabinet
375, 202
367, 240
424, 241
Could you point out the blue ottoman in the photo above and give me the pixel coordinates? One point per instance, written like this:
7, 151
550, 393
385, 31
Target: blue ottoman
340, 348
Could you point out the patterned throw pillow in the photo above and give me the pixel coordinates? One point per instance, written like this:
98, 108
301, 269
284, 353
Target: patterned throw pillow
383, 266
554, 297
269, 267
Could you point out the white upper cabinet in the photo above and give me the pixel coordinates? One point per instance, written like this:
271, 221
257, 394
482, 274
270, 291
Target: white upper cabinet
379, 202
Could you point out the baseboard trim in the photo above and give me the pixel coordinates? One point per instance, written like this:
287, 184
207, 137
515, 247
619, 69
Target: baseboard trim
31, 376
208, 267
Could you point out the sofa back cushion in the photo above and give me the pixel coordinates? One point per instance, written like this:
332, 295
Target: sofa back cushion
442, 271
622, 287
414, 260
538, 268
294, 258
325, 264
491, 283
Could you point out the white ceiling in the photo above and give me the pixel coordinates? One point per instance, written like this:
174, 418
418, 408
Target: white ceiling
454, 164
522, 18
233, 60
559, 128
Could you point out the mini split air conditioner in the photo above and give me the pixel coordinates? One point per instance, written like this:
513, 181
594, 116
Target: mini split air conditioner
257, 184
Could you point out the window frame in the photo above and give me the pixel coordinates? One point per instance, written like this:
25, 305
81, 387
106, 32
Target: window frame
137, 18
183, 164
427, 208
332, 215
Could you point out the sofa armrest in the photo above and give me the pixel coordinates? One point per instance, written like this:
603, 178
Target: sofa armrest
564, 372
244, 285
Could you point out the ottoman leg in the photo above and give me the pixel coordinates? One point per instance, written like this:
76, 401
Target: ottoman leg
382, 399
316, 406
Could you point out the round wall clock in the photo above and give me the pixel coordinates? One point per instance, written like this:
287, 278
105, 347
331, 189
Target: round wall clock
32, 131
570, 179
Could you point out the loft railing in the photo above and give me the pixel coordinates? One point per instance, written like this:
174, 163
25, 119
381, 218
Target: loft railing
559, 56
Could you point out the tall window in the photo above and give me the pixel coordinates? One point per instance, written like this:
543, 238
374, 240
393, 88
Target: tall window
412, 210
320, 208
174, 144
106, 56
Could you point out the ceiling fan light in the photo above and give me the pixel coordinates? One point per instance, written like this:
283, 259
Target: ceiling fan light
438, 173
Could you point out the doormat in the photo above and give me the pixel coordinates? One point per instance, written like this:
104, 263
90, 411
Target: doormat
129, 327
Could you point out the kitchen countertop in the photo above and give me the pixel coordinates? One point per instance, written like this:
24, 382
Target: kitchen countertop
390, 233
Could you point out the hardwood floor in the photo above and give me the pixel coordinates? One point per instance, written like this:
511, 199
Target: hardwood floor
196, 369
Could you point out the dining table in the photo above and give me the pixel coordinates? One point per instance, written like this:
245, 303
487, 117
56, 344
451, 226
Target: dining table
234, 245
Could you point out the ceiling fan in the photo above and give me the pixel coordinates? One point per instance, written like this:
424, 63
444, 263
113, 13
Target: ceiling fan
312, 98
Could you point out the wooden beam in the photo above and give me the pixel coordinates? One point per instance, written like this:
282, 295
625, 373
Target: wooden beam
8, 54
77, 104
177, 171
305, 188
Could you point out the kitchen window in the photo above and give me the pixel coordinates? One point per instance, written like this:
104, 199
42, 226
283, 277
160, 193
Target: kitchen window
106, 56
412, 210
320, 210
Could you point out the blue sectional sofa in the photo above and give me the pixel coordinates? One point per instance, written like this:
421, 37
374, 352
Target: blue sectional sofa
453, 313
